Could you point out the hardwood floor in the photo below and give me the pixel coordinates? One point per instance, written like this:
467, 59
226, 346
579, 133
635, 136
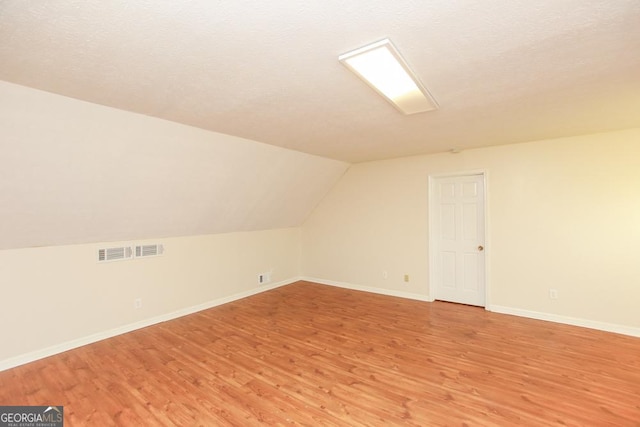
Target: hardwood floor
307, 354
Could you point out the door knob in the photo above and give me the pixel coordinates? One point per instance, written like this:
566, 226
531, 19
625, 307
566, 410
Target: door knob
480, 248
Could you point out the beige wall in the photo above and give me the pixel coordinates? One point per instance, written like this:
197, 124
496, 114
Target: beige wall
73, 172
562, 214
57, 295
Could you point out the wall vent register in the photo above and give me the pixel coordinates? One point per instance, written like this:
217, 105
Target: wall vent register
144, 251
122, 253
115, 254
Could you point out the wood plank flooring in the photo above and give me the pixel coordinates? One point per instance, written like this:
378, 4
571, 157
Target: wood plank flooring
307, 354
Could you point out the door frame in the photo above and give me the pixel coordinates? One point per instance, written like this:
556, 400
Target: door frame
432, 244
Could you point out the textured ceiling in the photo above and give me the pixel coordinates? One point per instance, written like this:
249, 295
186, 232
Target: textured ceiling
501, 71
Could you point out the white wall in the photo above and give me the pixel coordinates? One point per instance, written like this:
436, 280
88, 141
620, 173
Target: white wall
75, 172
55, 298
563, 214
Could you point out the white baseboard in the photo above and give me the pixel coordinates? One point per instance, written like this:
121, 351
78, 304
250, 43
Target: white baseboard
389, 292
585, 323
69, 345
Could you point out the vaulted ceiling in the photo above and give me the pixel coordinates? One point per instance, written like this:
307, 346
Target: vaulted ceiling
501, 71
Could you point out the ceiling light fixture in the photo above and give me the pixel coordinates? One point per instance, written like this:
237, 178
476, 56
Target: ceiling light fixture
382, 67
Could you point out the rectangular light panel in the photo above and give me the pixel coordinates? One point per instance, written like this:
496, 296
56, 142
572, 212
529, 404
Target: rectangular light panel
381, 67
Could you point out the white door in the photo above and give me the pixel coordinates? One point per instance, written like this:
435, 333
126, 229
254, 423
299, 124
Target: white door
458, 237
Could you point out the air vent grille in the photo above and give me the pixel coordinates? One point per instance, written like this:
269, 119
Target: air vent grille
143, 251
115, 254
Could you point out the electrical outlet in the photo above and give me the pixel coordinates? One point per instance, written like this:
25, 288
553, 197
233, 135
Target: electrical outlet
264, 278
385, 274
553, 294
406, 277
137, 303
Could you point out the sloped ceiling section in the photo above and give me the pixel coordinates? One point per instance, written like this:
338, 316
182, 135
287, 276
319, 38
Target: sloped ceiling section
75, 172
502, 71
